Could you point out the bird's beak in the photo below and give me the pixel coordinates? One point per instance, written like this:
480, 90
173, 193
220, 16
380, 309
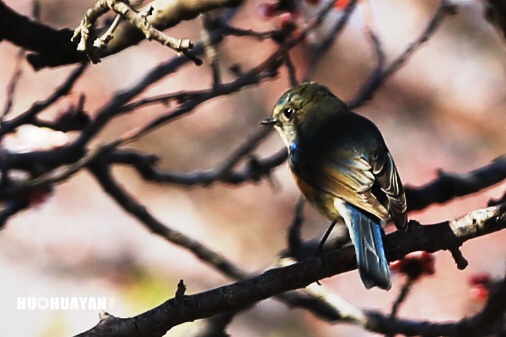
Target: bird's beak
269, 121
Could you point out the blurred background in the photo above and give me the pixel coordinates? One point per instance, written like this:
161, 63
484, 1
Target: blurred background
444, 109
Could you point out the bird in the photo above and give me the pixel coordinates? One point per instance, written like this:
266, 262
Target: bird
342, 166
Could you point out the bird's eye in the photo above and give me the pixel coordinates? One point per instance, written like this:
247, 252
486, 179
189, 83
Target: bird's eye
288, 112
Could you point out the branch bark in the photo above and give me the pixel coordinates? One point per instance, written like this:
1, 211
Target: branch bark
236, 296
52, 47
452, 185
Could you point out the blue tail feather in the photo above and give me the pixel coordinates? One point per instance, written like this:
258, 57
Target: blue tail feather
366, 235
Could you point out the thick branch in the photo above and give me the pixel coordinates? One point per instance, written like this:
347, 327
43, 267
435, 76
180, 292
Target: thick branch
53, 47
164, 14
451, 185
140, 20
241, 294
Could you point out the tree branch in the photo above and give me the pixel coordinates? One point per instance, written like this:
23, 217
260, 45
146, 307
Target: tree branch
236, 296
52, 47
451, 185
380, 74
476, 325
28, 116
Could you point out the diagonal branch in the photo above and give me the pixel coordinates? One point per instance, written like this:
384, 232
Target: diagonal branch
154, 17
52, 47
236, 296
11, 87
146, 166
319, 51
380, 75
451, 185
476, 325
101, 171
28, 116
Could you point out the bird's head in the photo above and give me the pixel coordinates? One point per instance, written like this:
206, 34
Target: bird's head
301, 109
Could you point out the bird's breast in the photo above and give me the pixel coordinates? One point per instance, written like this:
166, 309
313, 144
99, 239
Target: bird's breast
322, 201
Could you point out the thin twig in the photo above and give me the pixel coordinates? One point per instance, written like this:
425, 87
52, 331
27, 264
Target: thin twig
235, 31
101, 171
114, 107
379, 76
146, 166
210, 48
140, 21
148, 23
11, 87
319, 51
102, 41
475, 325
85, 32
11, 208
18, 70
292, 72
225, 89
406, 288
294, 233
27, 116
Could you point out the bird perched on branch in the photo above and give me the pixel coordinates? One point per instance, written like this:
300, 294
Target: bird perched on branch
342, 166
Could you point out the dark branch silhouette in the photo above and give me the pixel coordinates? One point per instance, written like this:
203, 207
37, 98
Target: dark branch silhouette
26, 176
239, 295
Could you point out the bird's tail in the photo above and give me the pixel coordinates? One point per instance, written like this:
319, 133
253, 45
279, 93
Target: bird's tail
365, 233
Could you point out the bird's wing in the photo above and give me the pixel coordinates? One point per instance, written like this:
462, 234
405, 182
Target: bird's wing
385, 172
352, 176
346, 175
